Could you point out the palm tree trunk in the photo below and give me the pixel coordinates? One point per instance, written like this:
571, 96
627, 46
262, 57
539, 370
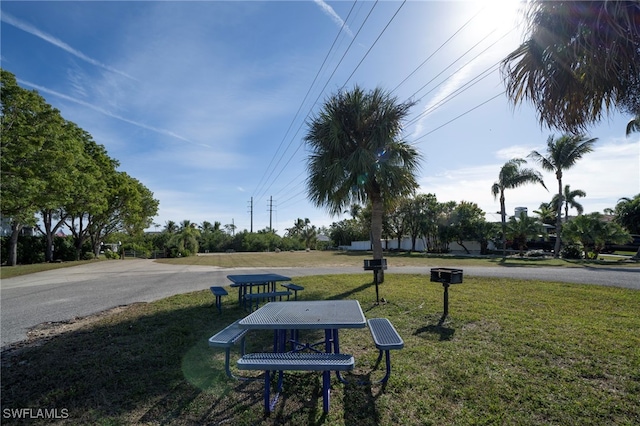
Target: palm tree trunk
503, 217
556, 250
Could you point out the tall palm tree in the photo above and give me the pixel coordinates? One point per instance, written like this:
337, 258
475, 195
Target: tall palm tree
579, 60
512, 176
569, 200
358, 155
562, 154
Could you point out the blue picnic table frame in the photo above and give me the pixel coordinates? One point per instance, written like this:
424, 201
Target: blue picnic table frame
327, 315
245, 283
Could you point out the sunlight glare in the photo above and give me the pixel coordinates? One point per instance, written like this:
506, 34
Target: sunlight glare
501, 15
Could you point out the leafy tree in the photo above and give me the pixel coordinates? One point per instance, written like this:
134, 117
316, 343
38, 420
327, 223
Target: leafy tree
358, 156
562, 154
627, 213
592, 232
397, 220
486, 232
580, 59
569, 200
467, 219
512, 176
89, 195
347, 230
28, 125
58, 167
130, 208
521, 229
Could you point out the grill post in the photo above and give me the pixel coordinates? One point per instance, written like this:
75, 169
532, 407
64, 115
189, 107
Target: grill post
446, 276
375, 265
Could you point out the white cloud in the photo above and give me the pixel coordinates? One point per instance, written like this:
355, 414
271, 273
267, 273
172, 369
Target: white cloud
24, 26
334, 16
109, 113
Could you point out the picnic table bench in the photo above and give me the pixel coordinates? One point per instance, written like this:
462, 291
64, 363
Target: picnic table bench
386, 338
218, 292
295, 361
293, 287
227, 337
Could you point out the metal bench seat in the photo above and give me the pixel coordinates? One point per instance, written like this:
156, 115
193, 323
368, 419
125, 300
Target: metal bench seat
272, 362
218, 292
227, 337
293, 287
386, 338
296, 361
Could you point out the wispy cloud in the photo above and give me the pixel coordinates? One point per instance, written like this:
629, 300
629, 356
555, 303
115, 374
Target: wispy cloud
334, 16
7, 18
110, 114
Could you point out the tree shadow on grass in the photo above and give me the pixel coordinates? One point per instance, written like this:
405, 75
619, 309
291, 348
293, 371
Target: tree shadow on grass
130, 367
151, 363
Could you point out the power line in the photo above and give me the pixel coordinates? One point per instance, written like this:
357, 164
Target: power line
318, 97
373, 44
263, 180
459, 116
439, 104
436, 51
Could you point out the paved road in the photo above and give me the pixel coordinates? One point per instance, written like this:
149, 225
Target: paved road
66, 293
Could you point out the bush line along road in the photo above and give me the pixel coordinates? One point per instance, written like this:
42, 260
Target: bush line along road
64, 294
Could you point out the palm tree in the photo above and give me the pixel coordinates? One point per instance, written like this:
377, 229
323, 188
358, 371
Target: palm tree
170, 227
358, 155
569, 200
592, 233
521, 229
512, 176
186, 239
562, 154
579, 60
546, 213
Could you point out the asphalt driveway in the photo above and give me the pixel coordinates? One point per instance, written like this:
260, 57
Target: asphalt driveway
67, 293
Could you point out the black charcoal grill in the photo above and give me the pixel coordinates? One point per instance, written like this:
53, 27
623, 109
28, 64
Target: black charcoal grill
446, 276
375, 265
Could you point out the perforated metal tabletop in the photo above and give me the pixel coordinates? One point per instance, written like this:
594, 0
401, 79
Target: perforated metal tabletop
300, 315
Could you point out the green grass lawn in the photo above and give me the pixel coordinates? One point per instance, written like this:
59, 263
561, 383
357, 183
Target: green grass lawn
512, 352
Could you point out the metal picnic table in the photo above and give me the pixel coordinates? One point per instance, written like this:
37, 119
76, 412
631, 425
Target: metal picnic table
246, 282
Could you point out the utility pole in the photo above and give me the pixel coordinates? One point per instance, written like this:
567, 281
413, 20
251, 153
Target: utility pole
270, 213
251, 213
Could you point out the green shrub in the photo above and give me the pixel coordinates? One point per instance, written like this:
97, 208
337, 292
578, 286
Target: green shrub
88, 255
111, 254
571, 251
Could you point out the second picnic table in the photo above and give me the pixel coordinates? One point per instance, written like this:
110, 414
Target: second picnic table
246, 282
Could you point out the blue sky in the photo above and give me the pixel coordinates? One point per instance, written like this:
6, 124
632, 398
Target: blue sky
206, 102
